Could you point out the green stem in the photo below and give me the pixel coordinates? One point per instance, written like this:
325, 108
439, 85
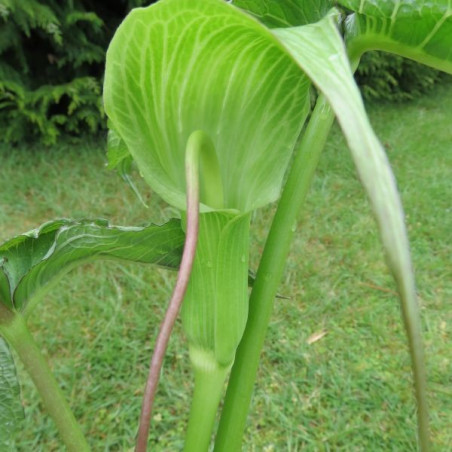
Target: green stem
241, 382
17, 334
209, 386
200, 158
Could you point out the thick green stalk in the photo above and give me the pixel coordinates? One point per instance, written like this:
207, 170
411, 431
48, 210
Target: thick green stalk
241, 382
17, 334
209, 386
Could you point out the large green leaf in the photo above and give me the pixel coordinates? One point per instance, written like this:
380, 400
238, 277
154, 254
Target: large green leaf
320, 52
286, 13
417, 29
182, 65
32, 262
11, 411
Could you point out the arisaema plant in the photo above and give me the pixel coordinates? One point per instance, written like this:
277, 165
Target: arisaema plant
221, 82
210, 100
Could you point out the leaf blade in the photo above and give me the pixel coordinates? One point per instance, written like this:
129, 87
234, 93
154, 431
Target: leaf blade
416, 29
285, 13
319, 50
35, 261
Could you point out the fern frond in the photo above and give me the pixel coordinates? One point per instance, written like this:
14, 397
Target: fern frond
31, 14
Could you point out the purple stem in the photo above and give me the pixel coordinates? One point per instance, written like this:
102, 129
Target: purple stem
188, 256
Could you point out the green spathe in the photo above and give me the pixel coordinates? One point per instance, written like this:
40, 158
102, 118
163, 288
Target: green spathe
180, 66
214, 315
215, 308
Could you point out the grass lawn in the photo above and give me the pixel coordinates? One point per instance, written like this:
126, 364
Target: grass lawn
335, 372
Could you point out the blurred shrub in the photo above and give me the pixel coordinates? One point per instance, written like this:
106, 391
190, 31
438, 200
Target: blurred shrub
387, 77
51, 64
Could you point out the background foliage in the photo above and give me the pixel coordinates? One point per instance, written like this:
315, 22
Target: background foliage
51, 65
52, 62
388, 77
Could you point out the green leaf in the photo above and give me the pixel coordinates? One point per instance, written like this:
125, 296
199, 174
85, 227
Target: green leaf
31, 263
320, 52
21, 253
11, 411
180, 66
285, 13
414, 29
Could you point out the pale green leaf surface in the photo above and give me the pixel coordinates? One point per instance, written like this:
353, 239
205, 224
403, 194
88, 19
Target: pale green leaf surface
33, 262
11, 411
285, 13
320, 52
180, 66
417, 29
215, 308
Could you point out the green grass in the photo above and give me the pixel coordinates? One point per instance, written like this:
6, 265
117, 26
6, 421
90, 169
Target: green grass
349, 390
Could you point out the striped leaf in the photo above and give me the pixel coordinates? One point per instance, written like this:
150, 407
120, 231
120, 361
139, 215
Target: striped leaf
320, 52
32, 263
182, 65
285, 13
417, 29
